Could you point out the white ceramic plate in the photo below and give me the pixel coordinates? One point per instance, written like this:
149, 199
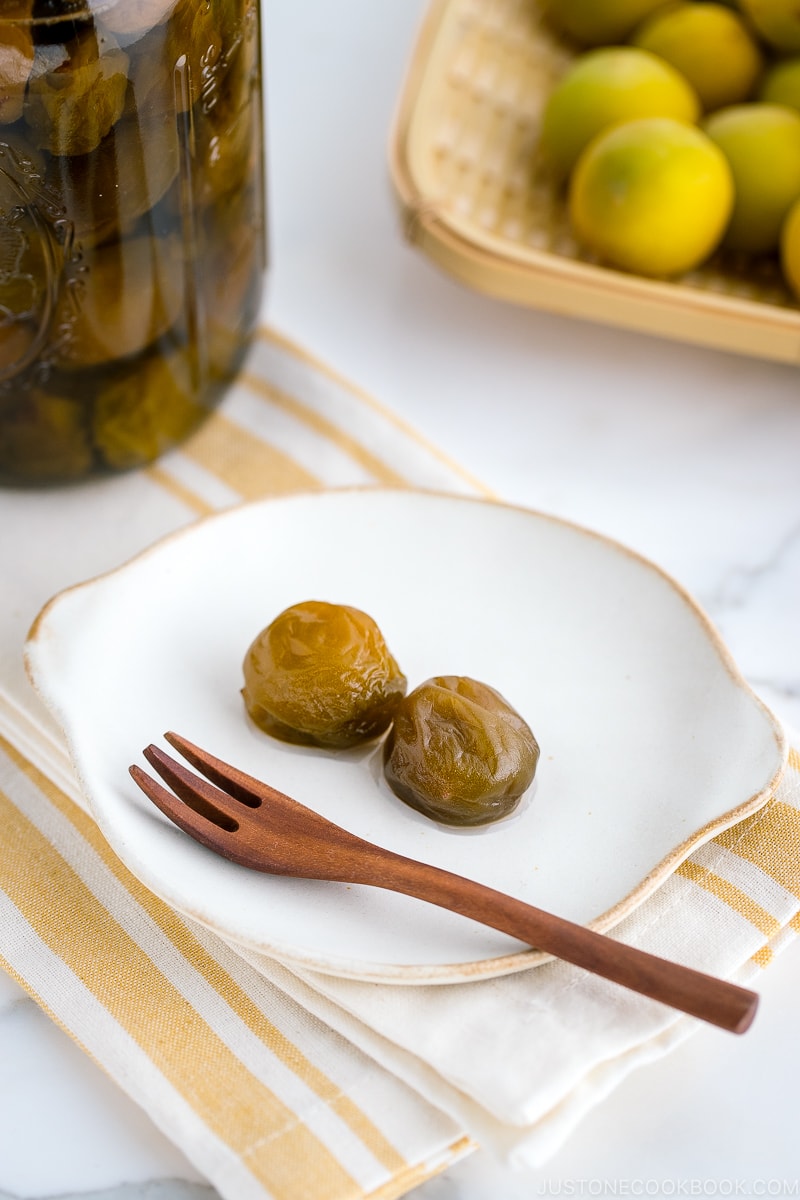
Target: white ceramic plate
651, 741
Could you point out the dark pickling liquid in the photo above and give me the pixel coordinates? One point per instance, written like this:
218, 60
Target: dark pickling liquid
132, 245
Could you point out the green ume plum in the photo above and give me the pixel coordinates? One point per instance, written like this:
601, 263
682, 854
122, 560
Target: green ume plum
322, 675
458, 752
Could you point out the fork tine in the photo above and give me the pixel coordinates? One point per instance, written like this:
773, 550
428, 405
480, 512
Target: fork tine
212, 803
186, 818
245, 788
277, 811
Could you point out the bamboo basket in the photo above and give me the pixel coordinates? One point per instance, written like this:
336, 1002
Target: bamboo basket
463, 159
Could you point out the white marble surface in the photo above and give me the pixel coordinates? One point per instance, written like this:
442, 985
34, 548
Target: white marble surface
689, 456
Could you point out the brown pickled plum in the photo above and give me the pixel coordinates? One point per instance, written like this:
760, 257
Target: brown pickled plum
322, 675
135, 419
231, 276
194, 42
74, 98
107, 191
16, 62
227, 156
47, 433
134, 298
130, 19
152, 80
458, 752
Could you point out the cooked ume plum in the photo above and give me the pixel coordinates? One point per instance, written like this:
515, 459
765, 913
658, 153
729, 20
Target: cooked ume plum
322, 675
458, 752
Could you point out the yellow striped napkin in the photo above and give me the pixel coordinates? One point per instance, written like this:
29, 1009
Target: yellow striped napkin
263, 1099
261, 1096
289, 1084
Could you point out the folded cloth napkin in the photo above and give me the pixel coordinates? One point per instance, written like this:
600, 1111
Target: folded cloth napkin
286, 1083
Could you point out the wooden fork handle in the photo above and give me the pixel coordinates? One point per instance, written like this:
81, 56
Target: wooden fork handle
714, 1000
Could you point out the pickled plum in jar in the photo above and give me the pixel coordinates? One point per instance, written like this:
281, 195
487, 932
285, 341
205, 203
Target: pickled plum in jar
131, 184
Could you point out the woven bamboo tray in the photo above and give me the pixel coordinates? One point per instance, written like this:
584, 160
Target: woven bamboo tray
463, 159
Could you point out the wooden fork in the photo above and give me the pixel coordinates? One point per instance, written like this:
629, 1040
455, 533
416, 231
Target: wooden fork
253, 824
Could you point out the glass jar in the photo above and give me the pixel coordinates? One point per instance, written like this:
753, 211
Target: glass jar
132, 243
